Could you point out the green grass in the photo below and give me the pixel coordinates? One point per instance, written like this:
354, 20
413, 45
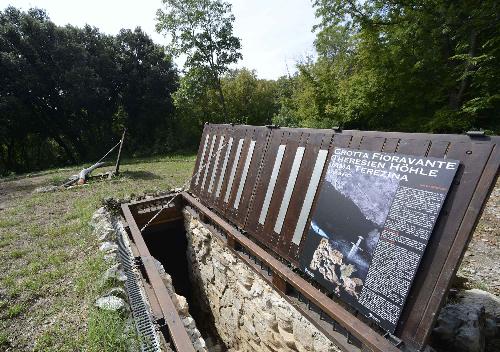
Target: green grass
18, 253
8, 222
108, 332
58, 179
50, 266
4, 340
480, 285
15, 310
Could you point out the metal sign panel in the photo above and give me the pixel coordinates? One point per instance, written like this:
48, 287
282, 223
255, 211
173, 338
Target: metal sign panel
236, 161
201, 168
244, 174
290, 185
216, 164
224, 165
309, 198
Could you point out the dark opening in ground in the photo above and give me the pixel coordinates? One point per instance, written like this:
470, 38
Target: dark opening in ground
168, 243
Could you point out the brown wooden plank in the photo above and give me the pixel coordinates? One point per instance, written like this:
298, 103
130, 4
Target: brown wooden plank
213, 131
311, 142
479, 154
231, 211
390, 145
217, 202
261, 137
373, 144
266, 232
210, 160
198, 157
275, 140
280, 284
134, 230
357, 138
216, 165
438, 148
176, 328
315, 142
440, 259
416, 147
207, 162
238, 133
359, 329
294, 141
258, 173
455, 255
178, 333
200, 170
338, 141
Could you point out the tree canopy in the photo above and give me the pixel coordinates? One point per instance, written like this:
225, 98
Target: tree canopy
202, 30
428, 66
66, 93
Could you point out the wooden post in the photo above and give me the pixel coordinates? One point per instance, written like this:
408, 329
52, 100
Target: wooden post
117, 167
280, 283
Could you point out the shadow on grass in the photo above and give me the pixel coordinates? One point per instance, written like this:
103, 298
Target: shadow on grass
140, 175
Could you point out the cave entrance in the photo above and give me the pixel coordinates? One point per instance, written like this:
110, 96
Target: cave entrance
167, 243
228, 281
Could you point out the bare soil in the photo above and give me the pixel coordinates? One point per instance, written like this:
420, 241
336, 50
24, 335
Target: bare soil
480, 267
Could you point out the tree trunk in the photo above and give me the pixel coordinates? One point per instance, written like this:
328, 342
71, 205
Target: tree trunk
221, 97
457, 98
66, 148
10, 154
85, 173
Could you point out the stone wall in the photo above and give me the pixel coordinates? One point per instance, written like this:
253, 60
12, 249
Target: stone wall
249, 314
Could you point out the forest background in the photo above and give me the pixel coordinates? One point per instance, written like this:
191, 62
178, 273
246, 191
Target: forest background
67, 93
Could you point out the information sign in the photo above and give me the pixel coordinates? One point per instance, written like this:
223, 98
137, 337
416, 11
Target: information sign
370, 226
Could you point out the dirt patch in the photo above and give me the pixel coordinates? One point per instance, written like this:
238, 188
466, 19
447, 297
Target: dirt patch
480, 268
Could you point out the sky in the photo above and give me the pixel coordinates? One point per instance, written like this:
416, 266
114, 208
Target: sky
274, 34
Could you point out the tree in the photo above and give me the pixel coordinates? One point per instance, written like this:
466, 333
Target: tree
66, 92
251, 100
429, 66
202, 30
412, 65
147, 80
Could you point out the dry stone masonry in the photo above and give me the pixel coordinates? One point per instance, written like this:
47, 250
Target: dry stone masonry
182, 307
249, 314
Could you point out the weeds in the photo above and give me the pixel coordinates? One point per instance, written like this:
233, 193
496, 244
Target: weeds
4, 340
14, 310
50, 267
107, 331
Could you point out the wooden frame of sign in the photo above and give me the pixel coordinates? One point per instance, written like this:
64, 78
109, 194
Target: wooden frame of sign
265, 181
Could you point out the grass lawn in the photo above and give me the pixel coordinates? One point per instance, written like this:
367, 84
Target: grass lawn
50, 266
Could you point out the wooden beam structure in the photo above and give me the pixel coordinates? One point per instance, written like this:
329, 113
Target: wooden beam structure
264, 181
256, 187
177, 332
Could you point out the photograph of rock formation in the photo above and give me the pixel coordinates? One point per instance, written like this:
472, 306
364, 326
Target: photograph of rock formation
345, 228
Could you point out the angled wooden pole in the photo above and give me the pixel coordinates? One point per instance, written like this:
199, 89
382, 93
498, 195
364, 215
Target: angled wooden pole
118, 159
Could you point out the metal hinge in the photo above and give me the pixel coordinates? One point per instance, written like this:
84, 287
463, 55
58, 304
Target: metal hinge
479, 133
396, 341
